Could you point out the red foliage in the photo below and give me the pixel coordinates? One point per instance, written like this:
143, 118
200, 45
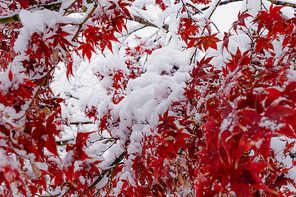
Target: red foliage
216, 140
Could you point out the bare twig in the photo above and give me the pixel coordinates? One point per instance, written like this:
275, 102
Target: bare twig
78, 123
293, 5
221, 3
217, 4
111, 178
84, 21
146, 22
63, 142
48, 196
70, 95
71, 5
262, 4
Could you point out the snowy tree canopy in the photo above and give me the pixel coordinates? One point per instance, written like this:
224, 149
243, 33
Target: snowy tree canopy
147, 98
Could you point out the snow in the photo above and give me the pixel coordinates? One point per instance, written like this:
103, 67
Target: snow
227, 122
103, 182
164, 60
222, 18
269, 124
145, 97
107, 65
35, 21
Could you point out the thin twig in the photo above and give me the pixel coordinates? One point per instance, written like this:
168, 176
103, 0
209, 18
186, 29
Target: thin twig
84, 21
115, 164
144, 21
71, 5
293, 5
217, 4
48, 196
78, 123
68, 190
70, 95
221, 3
111, 178
262, 4
193, 57
63, 142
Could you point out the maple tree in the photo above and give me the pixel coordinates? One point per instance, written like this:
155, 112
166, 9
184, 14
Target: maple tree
159, 106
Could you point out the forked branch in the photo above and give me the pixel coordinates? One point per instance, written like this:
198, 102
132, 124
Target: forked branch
57, 6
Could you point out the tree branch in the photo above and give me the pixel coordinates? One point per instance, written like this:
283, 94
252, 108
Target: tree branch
80, 25
63, 142
293, 5
147, 23
115, 164
221, 3
15, 18
57, 6
78, 123
217, 4
9, 19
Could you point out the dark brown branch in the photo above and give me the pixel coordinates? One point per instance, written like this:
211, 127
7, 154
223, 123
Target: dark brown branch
14, 18
217, 4
63, 142
111, 178
110, 170
71, 5
70, 95
147, 23
78, 123
222, 3
84, 21
293, 5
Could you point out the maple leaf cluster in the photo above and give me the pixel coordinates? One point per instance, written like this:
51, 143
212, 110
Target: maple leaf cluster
240, 109
204, 129
31, 116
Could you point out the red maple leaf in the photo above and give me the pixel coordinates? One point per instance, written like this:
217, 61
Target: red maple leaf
180, 139
267, 20
206, 42
87, 50
240, 20
263, 43
226, 40
290, 91
60, 38
10, 75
